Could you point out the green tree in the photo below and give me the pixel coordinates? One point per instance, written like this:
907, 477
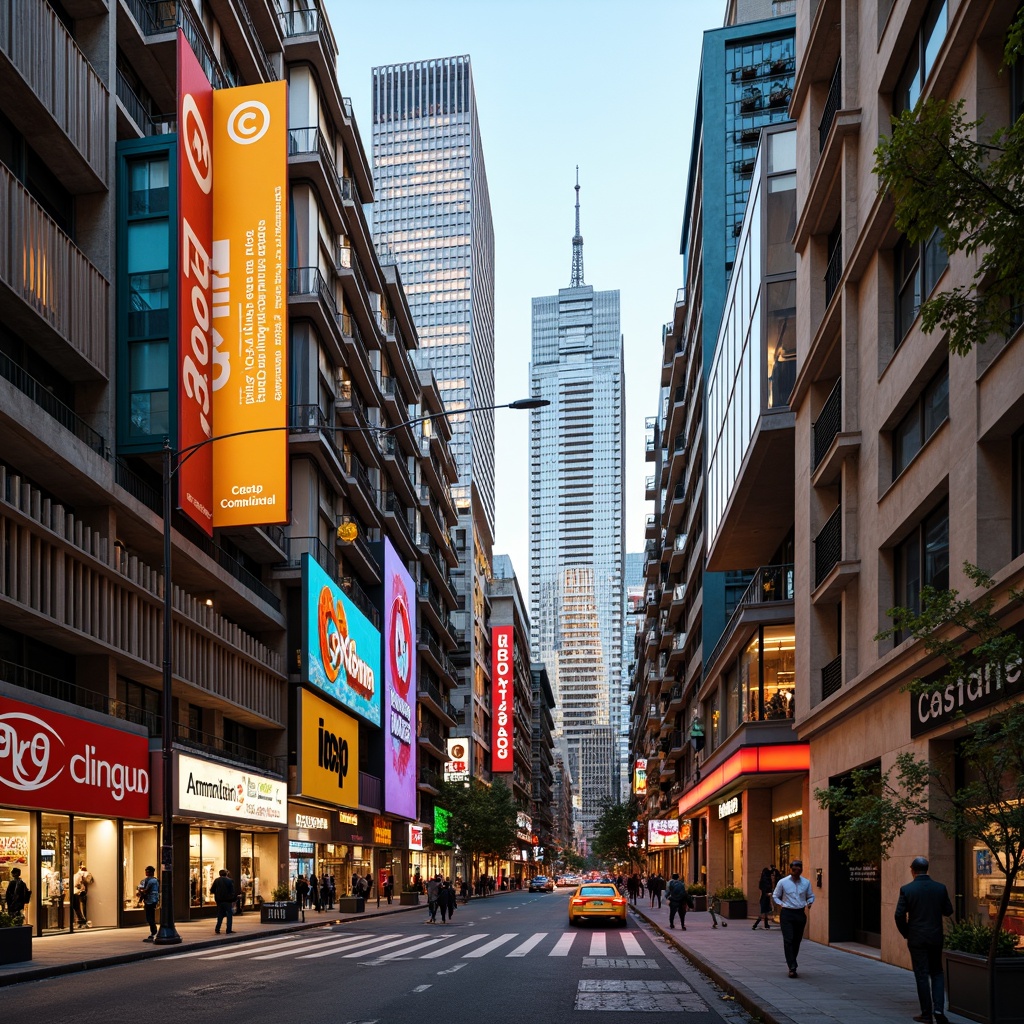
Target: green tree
944, 174
611, 831
483, 819
875, 808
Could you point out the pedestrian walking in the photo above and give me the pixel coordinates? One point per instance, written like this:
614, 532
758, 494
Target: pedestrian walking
655, 886
715, 910
148, 893
223, 893
301, 891
433, 894
327, 891
766, 887
368, 886
633, 887
919, 912
18, 893
446, 900
793, 895
314, 893
389, 887
679, 901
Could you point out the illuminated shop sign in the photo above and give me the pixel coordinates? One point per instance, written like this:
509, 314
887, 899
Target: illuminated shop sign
62, 763
415, 837
219, 791
456, 768
502, 685
328, 767
441, 820
400, 687
662, 832
729, 807
979, 688
640, 776
341, 649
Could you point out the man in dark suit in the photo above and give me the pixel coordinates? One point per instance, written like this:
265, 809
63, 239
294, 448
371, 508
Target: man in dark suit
919, 913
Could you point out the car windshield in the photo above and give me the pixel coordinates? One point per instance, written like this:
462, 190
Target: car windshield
540, 878
598, 890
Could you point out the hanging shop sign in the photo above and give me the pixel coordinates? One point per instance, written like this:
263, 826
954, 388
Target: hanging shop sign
662, 832
502, 686
214, 790
399, 687
456, 768
640, 776
415, 837
61, 763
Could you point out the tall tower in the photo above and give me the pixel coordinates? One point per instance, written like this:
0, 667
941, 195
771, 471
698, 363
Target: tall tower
433, 214
576, 520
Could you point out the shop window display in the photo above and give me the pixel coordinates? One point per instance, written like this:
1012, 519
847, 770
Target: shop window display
205, 859
140, 849
258, 868
16, 851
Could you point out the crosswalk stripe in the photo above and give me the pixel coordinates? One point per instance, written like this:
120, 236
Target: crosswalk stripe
599, 944
433, 954
524, 947
383, 945
248, 947
630, 945
410, 949
325, 948
490, 946
563, 945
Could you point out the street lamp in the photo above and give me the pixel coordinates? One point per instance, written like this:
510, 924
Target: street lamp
167, 934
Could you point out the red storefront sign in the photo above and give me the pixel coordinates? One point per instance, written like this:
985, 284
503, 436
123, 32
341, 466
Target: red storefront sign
501, 698
59, 763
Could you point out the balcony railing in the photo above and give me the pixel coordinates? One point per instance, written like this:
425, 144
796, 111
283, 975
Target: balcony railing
769, 584
828, 546
156, 17
834, 270
832, 677
834, 98
50, 61
828, 423
309, 281
360, 599
45, 269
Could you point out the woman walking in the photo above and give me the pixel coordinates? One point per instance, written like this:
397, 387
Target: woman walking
766, 885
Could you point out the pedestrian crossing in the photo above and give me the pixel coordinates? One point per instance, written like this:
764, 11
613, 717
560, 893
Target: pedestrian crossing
393, 946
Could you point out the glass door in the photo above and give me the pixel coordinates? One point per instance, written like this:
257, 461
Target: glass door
55, 873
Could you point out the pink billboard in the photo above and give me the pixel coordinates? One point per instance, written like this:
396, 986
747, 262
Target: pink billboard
502, 685
399, 712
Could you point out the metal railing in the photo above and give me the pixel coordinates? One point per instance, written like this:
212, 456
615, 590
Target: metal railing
361, 543
268, 67
210, 743
349, 398
350, 585
828, 546
832, 102
156, 17
828, 423
309, 281
834, 270
832, 677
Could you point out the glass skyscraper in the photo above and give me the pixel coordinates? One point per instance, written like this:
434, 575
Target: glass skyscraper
576, 522
433, 216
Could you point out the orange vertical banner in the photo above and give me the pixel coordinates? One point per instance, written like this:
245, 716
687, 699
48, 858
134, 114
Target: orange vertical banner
250, 305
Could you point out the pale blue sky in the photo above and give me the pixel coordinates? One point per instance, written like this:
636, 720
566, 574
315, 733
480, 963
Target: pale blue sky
606, 85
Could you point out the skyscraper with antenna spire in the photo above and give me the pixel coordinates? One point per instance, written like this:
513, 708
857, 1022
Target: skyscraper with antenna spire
577, 523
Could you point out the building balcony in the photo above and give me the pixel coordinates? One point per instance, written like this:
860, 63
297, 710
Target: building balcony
308, 37
357, 362
243, 41
310, 156
431, 742
397, 527
65, 297
432, 698
357, 553
311, 297
134, 119
49, 84
396, 463
830, 444
361, 492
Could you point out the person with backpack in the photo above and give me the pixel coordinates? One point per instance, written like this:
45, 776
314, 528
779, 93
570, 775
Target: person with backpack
223, 893
679, 901
148, 893
18, 893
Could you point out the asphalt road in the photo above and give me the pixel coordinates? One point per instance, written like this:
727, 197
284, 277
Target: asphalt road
512, 960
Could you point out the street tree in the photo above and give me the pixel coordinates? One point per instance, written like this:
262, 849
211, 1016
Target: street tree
483, 820
954, 176
612, 829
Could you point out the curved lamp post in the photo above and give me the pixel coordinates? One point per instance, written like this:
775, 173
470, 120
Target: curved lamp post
173, 461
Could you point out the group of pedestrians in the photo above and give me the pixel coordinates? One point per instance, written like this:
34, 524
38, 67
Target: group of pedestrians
441, 895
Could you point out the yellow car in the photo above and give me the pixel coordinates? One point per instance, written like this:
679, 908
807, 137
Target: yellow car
593, 901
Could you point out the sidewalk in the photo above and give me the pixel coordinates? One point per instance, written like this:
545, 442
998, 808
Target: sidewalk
54, 955
835, 985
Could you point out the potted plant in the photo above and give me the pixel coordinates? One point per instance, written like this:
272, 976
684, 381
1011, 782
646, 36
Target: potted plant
15, 938
986, 810
733, 901
409, 896
698, 892
281, 907
968, 975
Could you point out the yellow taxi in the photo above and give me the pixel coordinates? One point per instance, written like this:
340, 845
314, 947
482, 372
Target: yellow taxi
595, 901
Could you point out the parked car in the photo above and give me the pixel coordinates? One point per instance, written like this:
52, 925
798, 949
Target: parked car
593, 901
541, 883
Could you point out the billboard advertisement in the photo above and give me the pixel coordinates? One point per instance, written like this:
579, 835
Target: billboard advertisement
328, 764
640, 776
502, 685
441, 820
415, 837
399, 686
456, 768
662, 832
249, 305
195, 241
61, 763
341, 648
217, 791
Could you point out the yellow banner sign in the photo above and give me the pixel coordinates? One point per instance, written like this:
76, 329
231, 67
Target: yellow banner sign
250, 305
329, 753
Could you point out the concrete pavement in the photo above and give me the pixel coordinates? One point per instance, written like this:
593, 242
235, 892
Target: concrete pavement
835, 986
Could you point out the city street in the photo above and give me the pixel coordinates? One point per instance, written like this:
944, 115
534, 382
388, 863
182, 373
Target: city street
500, 961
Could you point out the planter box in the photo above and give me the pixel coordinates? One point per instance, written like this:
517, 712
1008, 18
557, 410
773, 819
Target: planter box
272, 913
969, 993
351, 904
409, 899
699, 903
734, 909
16, 944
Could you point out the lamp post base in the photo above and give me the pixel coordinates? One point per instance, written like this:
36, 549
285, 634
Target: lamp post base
166, 936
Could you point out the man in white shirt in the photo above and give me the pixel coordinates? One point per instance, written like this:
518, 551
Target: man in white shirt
793, 895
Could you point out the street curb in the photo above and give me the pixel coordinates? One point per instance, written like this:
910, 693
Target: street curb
746, 997
151, 952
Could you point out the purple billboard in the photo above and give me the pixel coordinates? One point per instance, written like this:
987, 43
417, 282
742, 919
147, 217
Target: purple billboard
399, 717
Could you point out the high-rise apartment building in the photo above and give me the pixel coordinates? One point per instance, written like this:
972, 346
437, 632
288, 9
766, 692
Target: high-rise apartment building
433, 215
633, 614
576, 520
103, 122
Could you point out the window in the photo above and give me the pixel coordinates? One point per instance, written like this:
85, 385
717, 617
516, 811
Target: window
928, 413
922, 560
923, 52
918, 267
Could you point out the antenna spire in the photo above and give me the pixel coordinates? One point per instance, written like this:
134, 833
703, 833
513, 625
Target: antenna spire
577, 241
